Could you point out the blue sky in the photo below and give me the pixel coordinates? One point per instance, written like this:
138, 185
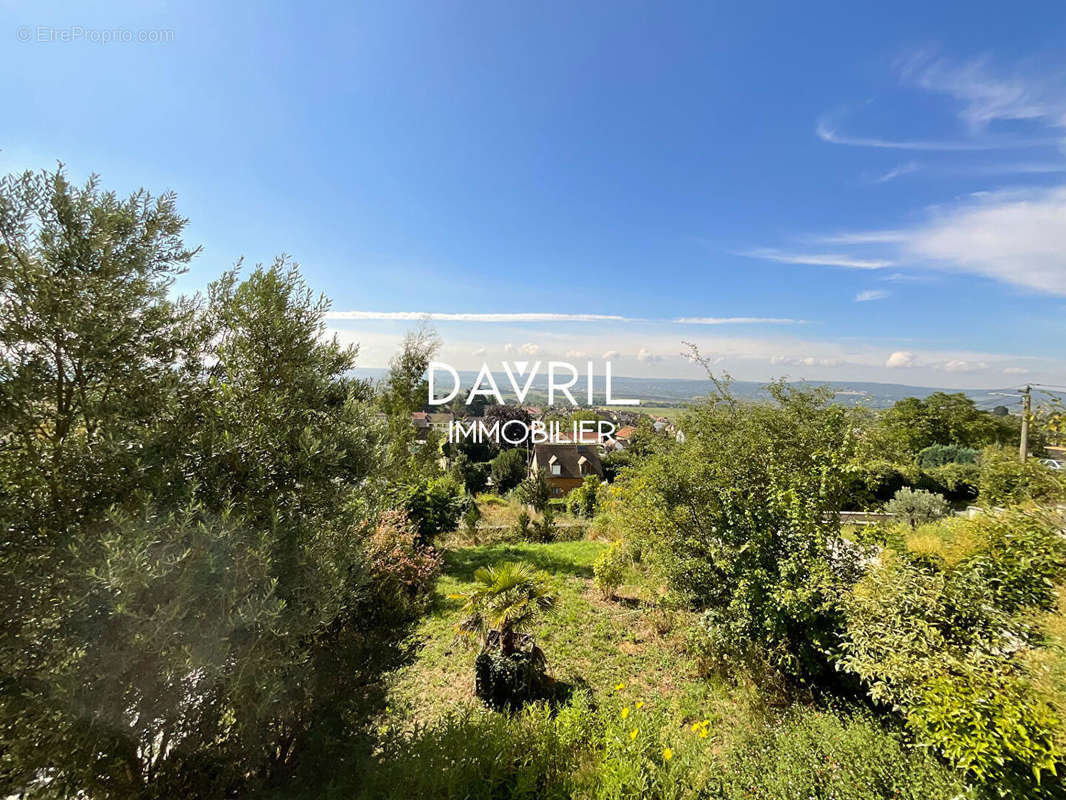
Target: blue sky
835, 191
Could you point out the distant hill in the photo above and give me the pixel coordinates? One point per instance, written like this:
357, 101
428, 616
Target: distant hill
681, 391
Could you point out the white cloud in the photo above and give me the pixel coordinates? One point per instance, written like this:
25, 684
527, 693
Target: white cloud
863, 237
646, 355
479, 351
530, 349
818, 259
828, 133
897, 172
871, 294
508, 348
1015, 371
739, 321
1013, 237
610, 354
576, 354
958, 365
807, 361
901, 358
449, 317
985, 96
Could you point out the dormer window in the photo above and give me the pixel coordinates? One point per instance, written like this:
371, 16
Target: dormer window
556, 467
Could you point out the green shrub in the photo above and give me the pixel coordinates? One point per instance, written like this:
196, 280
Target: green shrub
535, 491
937, 636
581, 502
609, 568
955, 481
435, 507
916, 506
1004, 480
508, 469
521, 526
811, 754
739, 521
509, 680
937, 455
545, 530
871, 483
990, 725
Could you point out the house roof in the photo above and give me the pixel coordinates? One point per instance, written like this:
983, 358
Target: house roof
626, 432
569, 458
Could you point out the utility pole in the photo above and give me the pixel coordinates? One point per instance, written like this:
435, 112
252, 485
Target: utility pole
1023, 448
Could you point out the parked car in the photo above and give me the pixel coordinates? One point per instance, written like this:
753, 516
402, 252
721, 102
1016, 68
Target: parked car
1053, 463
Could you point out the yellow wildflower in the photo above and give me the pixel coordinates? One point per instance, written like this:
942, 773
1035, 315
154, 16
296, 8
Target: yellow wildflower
640, 704
625, 712
619, 687
667, 754
633, 734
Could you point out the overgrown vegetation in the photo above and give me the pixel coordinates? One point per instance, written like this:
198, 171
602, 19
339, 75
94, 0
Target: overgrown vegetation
230, 569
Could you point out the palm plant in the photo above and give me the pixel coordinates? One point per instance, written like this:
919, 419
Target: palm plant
506, 597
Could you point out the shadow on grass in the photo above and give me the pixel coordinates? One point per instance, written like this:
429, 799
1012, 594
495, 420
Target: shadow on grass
462, 564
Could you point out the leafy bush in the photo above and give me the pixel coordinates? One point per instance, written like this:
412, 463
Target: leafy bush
545, 530
473, 476
435, 506
534, 491
508, 469
609, 568
581, 502
506, 681
521, 527
989, 725
403, 569
937, 455
955, 481
870, 483
817, 754
471, 517
1004, 480
937, 636
917, 506
740, 521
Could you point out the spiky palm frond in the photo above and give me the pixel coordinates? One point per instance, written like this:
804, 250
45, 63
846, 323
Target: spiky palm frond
505, 597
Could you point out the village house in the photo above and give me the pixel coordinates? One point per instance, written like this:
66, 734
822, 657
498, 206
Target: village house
566, 465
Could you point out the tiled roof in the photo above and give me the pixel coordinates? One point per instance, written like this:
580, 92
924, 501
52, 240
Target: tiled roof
569, 458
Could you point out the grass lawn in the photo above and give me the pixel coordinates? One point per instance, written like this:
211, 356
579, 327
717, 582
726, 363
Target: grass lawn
590, 642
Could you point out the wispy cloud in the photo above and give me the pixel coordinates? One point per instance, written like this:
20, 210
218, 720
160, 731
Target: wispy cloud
1013, 236
871, 294
462, 317
897, 172
739, 321
817, 259
862, 237
407, 316
985, 95
827, 132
